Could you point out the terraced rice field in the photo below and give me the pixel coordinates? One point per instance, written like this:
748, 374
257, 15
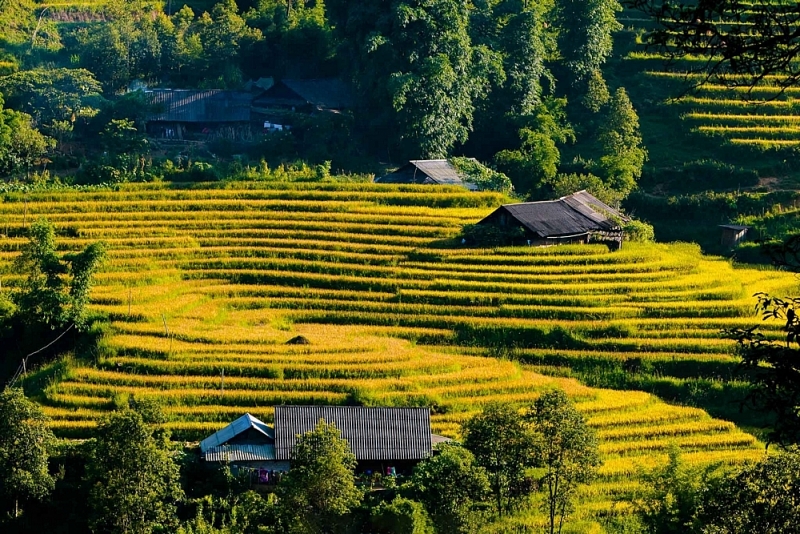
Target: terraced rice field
204, 287
763, 118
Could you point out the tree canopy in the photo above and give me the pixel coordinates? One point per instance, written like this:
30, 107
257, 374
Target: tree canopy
320, 488
759, 38
133, 476
25, 443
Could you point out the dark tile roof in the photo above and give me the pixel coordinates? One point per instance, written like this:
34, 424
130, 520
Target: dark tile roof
576, 214
734, 227
212, 105
373, 433
322, 93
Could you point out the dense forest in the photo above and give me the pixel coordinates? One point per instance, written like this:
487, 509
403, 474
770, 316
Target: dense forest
507, 82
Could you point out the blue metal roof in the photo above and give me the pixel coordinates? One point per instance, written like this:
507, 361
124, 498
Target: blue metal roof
237, 427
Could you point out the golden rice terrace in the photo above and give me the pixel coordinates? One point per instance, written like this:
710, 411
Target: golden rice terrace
204, 286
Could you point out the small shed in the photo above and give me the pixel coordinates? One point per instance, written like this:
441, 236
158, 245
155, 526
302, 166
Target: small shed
178, 111
575, 218
426, 171
732, 234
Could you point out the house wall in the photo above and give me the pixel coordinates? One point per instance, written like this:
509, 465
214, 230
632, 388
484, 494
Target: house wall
730, 238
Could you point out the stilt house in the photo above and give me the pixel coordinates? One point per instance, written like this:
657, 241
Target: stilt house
179, 114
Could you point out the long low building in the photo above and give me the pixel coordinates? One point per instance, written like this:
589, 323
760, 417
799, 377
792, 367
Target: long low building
378, 437
576, 218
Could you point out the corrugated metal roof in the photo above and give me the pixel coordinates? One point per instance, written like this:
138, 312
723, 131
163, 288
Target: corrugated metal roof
240, 453
734, 227
575, 214
439, 170
426, 171
213, 105
244, 423
373, 433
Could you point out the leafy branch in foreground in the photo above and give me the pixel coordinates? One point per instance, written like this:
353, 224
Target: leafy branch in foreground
773, 367
759, 39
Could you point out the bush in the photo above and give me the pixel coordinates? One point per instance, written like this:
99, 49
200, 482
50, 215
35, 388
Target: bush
639, 232
566, 184
482, 176
401, 516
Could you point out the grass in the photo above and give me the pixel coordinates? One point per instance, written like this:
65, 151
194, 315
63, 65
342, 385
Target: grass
397, 314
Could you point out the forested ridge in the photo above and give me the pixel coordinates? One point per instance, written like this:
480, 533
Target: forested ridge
430, 79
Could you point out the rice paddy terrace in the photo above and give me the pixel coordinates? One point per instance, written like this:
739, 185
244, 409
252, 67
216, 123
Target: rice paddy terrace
764, 119
203, 287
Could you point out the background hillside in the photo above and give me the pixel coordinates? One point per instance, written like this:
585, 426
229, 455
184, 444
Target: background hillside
713, 152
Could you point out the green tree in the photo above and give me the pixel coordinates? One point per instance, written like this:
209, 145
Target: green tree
567, 452
622, 145
761, 497
225, 36
415, 69
26, 145
504, 445
55, 290
434, 85
401, 516
536, 160
133, 477
50, 95
25, 441
319, 490
485, 178
125, 48
449, 485
670, 497
585, 34
21, 145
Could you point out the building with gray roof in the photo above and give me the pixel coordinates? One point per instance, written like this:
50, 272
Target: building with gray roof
426, 171
575, 218
378, 437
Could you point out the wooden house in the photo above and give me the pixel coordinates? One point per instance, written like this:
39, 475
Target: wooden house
426, 171
178, 113
275, 106
378, 437
576, 218
732, 234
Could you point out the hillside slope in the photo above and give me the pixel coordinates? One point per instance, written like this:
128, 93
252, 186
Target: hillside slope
205, 285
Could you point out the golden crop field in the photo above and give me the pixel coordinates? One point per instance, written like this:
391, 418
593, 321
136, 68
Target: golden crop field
764, 117
204, 286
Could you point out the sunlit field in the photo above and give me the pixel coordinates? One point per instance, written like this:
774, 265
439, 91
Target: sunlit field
203, 287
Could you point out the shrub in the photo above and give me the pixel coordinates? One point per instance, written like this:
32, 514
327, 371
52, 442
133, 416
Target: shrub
639, 231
